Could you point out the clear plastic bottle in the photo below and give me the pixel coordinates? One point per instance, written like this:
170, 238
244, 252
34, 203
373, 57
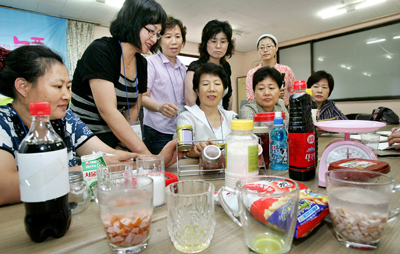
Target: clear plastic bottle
279, 145
241, 152
302, 153
44, 180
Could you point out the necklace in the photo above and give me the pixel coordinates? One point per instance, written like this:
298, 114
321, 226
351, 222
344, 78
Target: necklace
128, 64
220, 120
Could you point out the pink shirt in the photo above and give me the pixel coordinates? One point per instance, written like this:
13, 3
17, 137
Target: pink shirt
166, 84
289, 80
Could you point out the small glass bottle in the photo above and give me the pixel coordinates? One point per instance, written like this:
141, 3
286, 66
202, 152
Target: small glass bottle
79, 195
241, 152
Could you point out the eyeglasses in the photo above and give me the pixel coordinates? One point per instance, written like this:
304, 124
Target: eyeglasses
269, 47
152, 33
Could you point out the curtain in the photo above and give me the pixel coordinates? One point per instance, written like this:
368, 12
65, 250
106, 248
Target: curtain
79, 36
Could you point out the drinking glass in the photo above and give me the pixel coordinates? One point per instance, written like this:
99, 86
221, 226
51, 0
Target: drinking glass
267, 211
191, 219
114, 171
371, 140
359, 205
153, 166
126, 207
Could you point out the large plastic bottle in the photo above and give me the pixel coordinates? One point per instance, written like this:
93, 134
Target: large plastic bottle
241, 152
44, 180
302, 152
279, 145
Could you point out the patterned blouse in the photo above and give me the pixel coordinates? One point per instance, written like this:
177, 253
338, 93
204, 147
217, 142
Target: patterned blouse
329, 110
70, 128
289, 80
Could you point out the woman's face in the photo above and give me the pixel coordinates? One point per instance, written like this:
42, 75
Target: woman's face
171, 42
320, 90
267, 94
211, 90
267, 49
148, 37
217, 46
53, 87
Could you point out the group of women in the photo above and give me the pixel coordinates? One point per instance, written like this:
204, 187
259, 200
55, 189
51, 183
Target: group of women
113, 80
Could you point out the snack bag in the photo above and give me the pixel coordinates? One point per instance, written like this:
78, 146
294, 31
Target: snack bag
313, 208
90, 163
275, 212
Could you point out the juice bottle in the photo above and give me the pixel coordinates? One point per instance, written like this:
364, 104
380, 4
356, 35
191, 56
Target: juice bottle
279, 145
302, 152
44, 181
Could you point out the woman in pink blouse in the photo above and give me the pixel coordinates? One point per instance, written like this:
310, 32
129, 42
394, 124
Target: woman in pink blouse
267, 46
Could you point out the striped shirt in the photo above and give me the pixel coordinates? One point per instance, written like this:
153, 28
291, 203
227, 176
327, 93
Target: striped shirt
329, 110
289, 80
102, 60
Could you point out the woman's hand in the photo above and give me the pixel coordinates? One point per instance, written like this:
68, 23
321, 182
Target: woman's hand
169, 153
121, 157
169, 110
199, 147
282, 92
395, 138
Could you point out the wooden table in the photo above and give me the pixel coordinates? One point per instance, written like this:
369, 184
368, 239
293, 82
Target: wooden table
86, 234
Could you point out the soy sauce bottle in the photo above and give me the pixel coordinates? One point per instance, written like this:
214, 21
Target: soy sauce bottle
302, 152
43, 173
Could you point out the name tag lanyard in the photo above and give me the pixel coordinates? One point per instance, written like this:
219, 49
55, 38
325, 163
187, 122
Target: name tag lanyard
172, 84
126, 85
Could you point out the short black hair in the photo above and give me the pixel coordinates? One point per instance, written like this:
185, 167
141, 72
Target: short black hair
171, 23
209, 68
211, 29
133, 16
28, 62
267, 72
317, 76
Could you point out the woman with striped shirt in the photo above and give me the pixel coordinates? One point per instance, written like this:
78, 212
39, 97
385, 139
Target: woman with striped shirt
322, 84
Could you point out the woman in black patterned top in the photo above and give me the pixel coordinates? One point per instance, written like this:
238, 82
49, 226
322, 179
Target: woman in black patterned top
322, 84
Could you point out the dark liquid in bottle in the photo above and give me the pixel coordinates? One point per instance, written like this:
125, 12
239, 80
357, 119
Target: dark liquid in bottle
302, 153
49, 218
265, 146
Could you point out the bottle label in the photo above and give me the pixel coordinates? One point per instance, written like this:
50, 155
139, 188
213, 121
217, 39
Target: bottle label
253, 158
302, 150
279, 153
43, 176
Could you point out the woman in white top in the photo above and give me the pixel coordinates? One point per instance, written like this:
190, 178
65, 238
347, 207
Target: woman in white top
207, 119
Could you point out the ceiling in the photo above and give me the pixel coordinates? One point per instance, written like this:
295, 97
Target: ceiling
286, 19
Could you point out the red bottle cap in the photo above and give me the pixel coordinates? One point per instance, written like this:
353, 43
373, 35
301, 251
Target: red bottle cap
40, 109
300, 85
170, 178
264, 117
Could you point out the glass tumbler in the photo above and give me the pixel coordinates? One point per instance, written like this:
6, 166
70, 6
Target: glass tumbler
126, 208
191, 219
79, 195
153, 166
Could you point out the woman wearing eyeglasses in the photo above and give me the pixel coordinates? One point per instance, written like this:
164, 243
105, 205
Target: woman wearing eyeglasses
165, 96
216, 45
111, 76
267, 46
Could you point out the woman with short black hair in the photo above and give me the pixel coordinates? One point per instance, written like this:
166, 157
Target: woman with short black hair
207, 118
111, 76
216, 46
322, 84
267, 82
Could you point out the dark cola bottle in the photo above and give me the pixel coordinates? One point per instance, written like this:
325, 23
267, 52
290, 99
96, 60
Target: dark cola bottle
43, 173
302, 150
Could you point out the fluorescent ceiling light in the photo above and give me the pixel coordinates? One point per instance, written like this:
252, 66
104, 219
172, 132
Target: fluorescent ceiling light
396, 37
368, 3
389, 56
117, 3
320, 59
375, 41
347, 8
348, 67
331, 13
